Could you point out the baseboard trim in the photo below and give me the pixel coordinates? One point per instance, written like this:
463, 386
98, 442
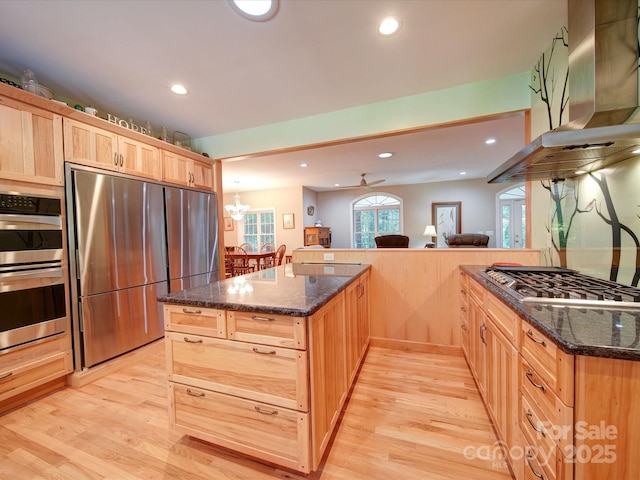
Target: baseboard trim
408, 346
80, 379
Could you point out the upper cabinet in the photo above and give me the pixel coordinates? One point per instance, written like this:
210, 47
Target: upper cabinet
30, 144
89, 145
186, 171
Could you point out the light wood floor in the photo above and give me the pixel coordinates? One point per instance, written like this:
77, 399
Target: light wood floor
410, 416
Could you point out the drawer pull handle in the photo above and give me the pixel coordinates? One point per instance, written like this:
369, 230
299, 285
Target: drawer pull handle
188, 340
530, 335
463, 308
529, 456
540, 430
270, 352
483, 328
6, 375
529, 375
265, 412
262, 319
464, 327
194, 394
192, 312
463, 291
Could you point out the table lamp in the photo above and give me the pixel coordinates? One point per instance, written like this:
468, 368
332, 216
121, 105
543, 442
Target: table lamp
430, 231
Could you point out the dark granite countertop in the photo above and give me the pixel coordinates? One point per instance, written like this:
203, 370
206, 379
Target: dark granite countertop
296, 289
590, 331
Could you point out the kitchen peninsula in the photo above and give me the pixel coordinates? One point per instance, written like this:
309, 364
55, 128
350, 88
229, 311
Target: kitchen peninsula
262, 363
559, 381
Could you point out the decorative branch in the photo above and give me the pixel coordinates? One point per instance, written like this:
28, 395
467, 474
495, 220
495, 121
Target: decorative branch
546, 79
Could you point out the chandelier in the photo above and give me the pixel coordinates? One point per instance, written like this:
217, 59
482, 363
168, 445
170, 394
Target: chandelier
237, 210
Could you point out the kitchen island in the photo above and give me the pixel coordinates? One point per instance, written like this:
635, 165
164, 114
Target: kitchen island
262, 363
559, 381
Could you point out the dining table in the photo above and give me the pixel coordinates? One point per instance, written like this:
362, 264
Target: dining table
256, 258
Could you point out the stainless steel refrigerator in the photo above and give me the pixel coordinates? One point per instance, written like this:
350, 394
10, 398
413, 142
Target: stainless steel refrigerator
127, 238
192, 236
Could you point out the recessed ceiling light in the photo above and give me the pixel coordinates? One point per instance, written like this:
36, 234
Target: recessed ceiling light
179, 89
304, 165
490, 141
636, 151
580, 172
256, 10
336, 184
385, 155
463, 173
388, 25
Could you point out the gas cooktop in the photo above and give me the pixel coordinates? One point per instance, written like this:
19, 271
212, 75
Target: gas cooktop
561, 286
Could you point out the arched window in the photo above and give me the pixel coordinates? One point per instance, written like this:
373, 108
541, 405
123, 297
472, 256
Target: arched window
373, 215
512, 226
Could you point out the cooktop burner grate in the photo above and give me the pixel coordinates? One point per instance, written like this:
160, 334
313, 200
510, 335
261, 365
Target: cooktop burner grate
560, 285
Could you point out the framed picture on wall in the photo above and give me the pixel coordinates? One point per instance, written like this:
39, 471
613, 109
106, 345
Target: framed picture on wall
228, 224
446, 216
288, 220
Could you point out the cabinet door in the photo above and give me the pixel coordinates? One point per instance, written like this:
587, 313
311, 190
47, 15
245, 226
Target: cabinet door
176, 169
502, 383
478, 345
357, 330
328, 376
364, 327
139, 159
30, 144
202, 175
89, 145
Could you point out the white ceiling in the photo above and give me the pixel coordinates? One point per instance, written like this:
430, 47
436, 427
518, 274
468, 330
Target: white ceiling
314, 57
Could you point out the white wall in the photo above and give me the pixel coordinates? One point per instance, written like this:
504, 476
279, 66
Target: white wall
478, 208
309, 199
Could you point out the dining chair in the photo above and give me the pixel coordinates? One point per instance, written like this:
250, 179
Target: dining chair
267, 247
277, 257
247, 246
282, 249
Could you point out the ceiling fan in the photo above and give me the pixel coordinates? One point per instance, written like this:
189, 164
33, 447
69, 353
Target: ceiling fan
364, 184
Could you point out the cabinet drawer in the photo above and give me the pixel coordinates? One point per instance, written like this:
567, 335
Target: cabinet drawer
503, 317
553, 365
541, 432
538, 466
477, 291
552, 409
25, 377
198, 321
264, 373
270, 433
268, 329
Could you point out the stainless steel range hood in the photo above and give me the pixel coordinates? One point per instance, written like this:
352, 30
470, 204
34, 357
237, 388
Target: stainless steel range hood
603, 127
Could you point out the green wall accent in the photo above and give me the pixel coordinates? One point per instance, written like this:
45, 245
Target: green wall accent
504, 94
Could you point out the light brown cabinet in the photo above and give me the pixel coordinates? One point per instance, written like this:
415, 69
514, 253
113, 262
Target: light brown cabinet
23, 370
317, 236
30, 144
186, 171
559, 416
267, 385
357, 323
92, 146
493, 358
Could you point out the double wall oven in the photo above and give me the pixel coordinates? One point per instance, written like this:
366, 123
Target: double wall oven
33, 299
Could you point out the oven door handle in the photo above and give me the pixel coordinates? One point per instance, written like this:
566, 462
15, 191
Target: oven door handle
12, 221
55, 272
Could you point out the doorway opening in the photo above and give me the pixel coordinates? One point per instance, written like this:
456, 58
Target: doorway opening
511, 217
